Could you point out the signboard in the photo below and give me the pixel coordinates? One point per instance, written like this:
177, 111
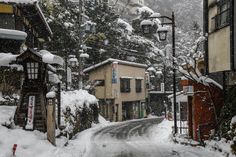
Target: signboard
162, 87
114, 72
30, 117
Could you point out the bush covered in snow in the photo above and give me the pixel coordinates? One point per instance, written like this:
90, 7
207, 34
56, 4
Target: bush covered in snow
80, 110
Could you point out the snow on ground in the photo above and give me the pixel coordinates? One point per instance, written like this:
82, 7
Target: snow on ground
34, 143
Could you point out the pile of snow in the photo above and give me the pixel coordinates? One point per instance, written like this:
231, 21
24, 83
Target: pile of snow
77, 99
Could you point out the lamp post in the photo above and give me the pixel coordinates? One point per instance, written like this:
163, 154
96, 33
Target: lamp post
162, 33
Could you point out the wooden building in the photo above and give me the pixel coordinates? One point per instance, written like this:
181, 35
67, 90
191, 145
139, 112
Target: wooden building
23, 16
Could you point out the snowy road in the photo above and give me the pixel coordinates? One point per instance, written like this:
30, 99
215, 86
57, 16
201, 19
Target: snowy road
140, 138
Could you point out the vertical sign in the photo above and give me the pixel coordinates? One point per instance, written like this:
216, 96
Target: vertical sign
30, 117
162, 87
114, 72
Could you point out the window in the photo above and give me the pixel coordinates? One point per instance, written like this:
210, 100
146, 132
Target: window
125, 85
138, 84
32, 70
7, 21
223, 17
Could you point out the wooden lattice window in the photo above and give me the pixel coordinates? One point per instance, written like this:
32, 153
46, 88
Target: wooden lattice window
32, 70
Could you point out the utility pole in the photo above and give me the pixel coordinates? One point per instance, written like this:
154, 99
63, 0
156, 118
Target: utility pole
80, 75
174, 74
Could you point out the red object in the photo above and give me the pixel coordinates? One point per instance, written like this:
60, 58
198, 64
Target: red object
203, 108
14, 149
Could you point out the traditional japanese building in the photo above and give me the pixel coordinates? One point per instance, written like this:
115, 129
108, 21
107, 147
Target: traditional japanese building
22, 25
120, 87
25, 16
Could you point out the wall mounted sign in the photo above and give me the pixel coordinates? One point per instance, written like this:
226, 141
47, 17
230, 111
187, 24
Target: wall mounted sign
114, 72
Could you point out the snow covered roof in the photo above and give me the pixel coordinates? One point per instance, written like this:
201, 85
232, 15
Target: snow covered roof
111, 60
12, 34
50, 58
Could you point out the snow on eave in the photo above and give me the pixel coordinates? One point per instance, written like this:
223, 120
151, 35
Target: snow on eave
19, 1
50, 58
111, 60
12, 34
7, 58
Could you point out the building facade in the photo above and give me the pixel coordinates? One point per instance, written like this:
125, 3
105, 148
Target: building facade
220, 25
120, 87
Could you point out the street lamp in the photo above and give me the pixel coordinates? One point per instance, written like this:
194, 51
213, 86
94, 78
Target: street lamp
162, 36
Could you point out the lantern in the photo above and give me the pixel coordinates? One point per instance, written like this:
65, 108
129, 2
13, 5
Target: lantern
162, 34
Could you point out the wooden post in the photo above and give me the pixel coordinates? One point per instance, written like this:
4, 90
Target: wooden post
51, 123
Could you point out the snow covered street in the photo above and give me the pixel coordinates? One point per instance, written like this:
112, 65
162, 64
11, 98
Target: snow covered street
149, 137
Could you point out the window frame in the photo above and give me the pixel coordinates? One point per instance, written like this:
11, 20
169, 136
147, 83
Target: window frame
223, 14
138, 82
125, 85
32, 70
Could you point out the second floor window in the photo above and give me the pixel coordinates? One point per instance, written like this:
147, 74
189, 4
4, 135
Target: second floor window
125, 85
138, 83
223, 16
